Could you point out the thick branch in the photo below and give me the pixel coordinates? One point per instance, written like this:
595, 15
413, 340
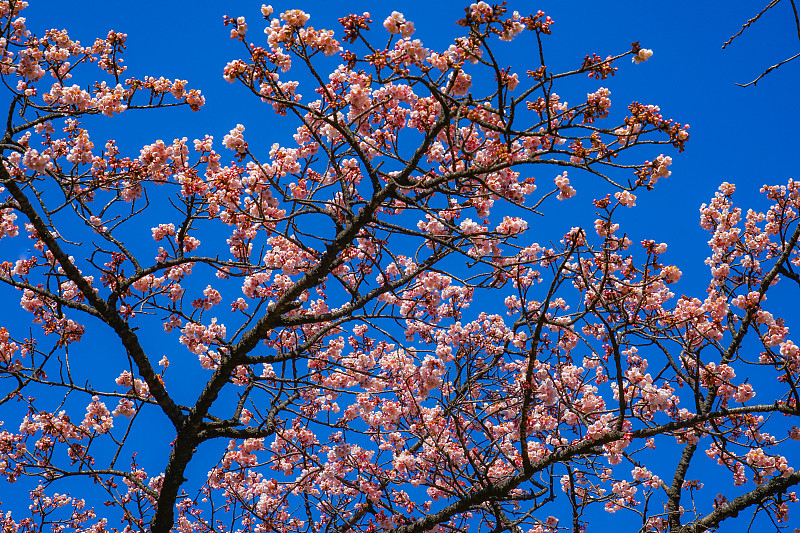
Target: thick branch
731, 509
110, 316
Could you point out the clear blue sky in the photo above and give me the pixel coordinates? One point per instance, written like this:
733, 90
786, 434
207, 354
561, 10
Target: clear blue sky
742, 135
738, 135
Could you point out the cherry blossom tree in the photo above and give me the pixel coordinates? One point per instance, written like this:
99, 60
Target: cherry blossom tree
380, 341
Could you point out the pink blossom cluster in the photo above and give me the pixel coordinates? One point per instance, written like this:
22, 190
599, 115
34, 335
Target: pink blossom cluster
7, 347
397, 23
163, 230
97, 418
211, 297
235, 140
198, 337
7, 226
137, 386
642, 55
125, 407
512, 226
769, 464
750, 300
565, 189
625, 198
598, 103
624, 496
41, 163
791, 354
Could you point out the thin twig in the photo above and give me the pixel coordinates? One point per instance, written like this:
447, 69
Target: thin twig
750, 22
770, 69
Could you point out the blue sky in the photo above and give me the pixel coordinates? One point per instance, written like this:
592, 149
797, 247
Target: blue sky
742, 135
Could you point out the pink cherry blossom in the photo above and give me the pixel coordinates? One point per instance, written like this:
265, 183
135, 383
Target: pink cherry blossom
400, 352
